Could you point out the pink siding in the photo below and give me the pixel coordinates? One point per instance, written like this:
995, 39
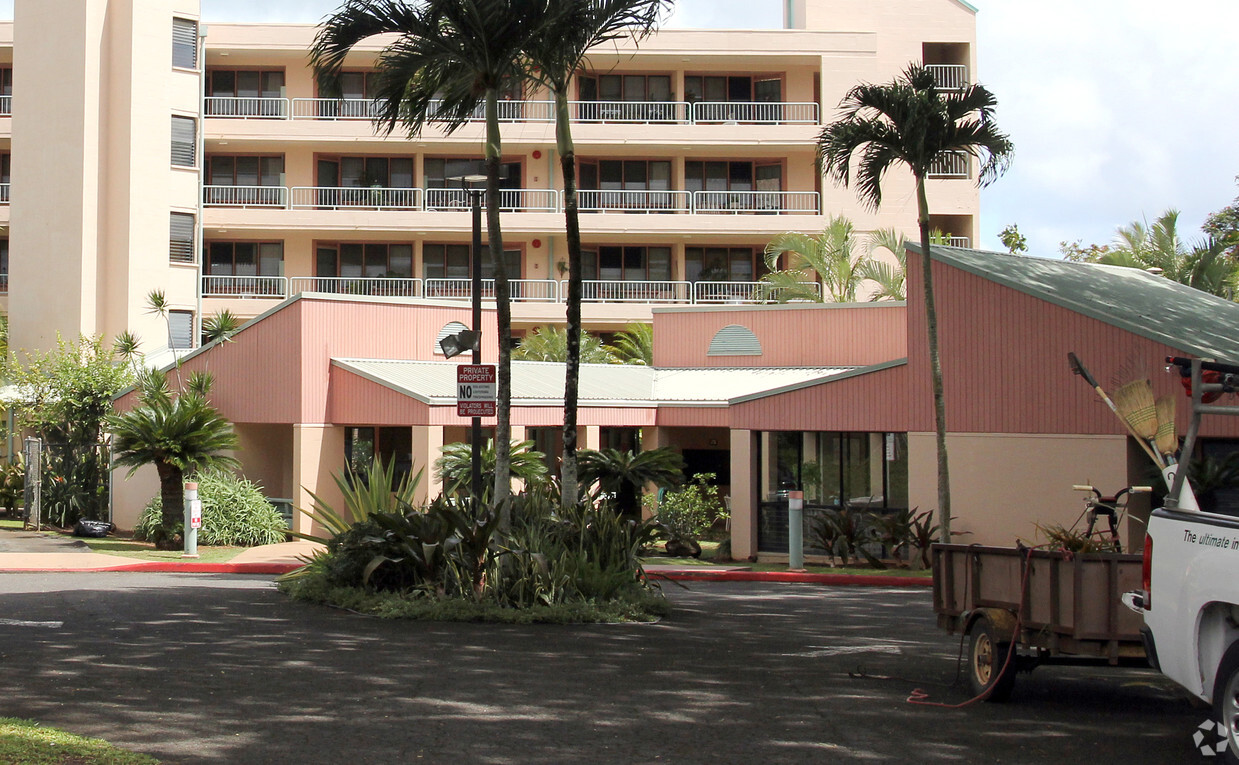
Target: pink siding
1005, 365
693, 417
790, 336
354, 400
875, 402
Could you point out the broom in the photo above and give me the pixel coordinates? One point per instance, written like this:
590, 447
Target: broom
1134, 403
1167, 441
1078, 368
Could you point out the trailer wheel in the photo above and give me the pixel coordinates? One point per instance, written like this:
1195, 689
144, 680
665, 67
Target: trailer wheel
1226, 702
986, 657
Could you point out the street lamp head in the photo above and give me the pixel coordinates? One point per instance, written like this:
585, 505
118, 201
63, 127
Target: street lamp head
464, 340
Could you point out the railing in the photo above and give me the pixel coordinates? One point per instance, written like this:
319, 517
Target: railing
754, 112
245, 108
764, 202
510, 200
244, 286
604, 291
952, 164
357, 285
958, 241
245, 196
4, 193
373, 197
949, 76
629, 111
519, 290
6, 106
335, 108
742, 292
590, 200
4, 284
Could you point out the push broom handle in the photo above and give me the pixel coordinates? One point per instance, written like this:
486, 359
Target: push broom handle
1079, 369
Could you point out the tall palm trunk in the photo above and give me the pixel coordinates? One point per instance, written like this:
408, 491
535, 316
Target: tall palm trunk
935, 362
503, 311
572, 372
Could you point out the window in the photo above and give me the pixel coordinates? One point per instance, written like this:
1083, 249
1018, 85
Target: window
723, 264
259, 89
4, 266
625, 87
631, 264
184, 43
734, 184
180, 329
245, 258
5, 177
631, 176
181, 238
393, 446
365, 172
367, 261
728, 88
245, 180
184, 141
6, 90
438, 171
451, 261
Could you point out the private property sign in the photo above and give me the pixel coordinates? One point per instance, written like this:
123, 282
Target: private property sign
475, 390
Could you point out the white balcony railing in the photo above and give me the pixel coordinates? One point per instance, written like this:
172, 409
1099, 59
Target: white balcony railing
244, 286
245, 108
590, 200
370, 197
609, 291
949, 76
766, 202
706, 293
6, 106
952, 164
357, 285
4, 193
334, 108
245, 196
629, 111
958, 241
520, 290
754, 112
510, 200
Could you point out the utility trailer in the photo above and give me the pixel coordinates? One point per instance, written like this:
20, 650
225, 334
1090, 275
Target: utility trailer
1055, 607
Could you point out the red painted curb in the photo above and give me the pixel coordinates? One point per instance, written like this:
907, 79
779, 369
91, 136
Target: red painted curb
856, 580
162, 567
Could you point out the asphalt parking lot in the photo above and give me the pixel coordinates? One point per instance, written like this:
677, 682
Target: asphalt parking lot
223, 669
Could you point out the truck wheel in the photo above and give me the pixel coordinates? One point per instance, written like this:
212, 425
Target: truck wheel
1226, 702
986, 656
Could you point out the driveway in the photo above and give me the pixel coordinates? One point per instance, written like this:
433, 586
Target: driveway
223, 669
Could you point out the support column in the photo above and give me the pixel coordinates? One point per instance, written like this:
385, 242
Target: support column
318, 452
590, 437
745, 474
427, 447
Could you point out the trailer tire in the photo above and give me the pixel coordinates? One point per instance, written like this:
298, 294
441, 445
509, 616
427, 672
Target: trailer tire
987, 655
1226, 702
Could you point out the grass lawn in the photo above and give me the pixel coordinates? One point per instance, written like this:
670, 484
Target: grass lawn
28, 743
128, 548
11, 523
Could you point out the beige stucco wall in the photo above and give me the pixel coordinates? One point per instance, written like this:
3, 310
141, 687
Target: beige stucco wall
1037, 473
318, 452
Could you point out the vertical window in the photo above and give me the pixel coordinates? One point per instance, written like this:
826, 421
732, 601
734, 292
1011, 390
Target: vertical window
5, 177
184, 43
184, 141
6, 90
181, 329
245, 258
181, 238
4, 266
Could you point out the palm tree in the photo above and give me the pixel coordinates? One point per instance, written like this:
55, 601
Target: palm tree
635, 345
1203, 266
830, 256
175, 433
454, 468
623, 474
890, 280
447, 57
910, 121
551, 344
556, 53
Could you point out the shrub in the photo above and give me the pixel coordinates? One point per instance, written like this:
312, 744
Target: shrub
234, 513
689, 512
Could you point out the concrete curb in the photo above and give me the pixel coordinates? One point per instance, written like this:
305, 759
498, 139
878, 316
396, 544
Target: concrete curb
162, 567
793, 577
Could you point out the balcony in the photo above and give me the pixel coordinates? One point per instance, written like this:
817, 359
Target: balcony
630, 112
949, 76
513, 200
348, 285
715, 293
953, 164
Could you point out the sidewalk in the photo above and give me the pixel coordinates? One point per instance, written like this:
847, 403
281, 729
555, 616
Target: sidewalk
28, 552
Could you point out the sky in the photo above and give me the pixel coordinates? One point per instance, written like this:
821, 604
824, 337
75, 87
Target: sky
1118, 109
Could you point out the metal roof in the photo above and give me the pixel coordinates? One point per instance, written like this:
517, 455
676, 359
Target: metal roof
540, 383
1142, 303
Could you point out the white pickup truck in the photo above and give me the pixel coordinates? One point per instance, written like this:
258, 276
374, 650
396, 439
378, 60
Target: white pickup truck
1190, 587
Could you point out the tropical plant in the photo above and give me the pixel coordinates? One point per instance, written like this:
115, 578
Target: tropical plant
234, 513
549, 343
889, 281
177, 433
830, 255
377, 490
635, 345
1203, 266
220, 327
621, 476
843, 532
910, 121
688, 513
894, 531
924, 534
556, 52
12, 484
1013, 240
454, 468
445, 58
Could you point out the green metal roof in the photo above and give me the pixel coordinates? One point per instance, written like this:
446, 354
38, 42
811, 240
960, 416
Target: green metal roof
1142, 303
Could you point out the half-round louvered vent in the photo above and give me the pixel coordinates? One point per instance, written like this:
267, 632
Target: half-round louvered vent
451, 328
734, 340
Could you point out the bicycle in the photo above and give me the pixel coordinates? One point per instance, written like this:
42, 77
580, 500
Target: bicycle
1111, 508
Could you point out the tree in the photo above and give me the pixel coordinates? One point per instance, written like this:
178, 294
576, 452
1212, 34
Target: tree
1013, 240
909, 121
1203, 265
446, 58
1224, 225
557, 52
890, 280
831, 257
551, 344
177, 433
623, 474
635, 345
454, 467
1078, 252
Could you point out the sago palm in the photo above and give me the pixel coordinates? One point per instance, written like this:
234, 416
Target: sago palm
909, 121
454, 467
446, 58
557, 52
621, 475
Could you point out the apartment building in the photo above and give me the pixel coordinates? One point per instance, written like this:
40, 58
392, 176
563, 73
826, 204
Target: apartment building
694, 149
